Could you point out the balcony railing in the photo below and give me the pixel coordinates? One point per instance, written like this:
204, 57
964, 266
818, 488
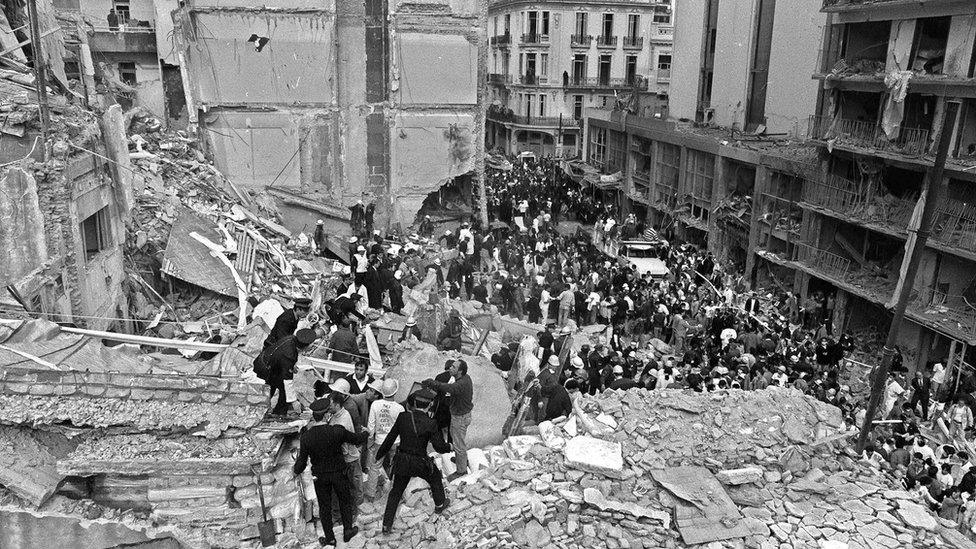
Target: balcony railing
939, 307
663, 75
508, 116
497, 78
125, 38
822, 260
533, 79
606, 41
862, 201
581, 41
534, 39
910, 141
609, 83
633, 42
955, 225
501, 40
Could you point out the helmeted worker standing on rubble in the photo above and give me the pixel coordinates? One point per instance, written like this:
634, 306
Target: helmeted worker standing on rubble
322, 444
415, 429
320, 239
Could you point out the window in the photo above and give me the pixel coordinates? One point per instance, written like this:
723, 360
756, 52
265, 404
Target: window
700, 173
598, 146
631, 76
929, 46
759, 74
580, 28
508, 23
605, 61
663, 16
606, 101
545, 23
505, 62
528, 105
633, 25
579, 68
544, 64
542, 104
533, 23
668, 163
127, 73
122, 10
664, 62
607, 24
494, 25
521, 63
96, 233
578, 107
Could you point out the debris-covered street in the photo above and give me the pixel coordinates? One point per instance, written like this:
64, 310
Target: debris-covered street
487, 274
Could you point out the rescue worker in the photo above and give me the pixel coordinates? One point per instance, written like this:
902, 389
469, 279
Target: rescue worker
410, 330
461, 404
320, 239
382, 415
287, 321
415, 429
341, 307
322, 444
450, 336
282, 358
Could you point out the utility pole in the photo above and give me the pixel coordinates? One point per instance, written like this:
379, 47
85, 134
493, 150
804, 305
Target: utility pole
40, 73
933, 191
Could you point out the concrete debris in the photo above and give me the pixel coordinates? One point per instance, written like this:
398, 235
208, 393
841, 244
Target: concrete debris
594, 497
735, 477
594, 456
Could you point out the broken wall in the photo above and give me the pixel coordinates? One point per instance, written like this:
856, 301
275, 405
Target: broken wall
959, 47
733, 53
254, 148
22, 240
790, 98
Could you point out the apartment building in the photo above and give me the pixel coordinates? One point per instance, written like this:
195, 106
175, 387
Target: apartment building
828, 208
551, 60
126, 47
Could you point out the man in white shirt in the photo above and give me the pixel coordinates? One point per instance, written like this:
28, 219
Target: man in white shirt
382, 416
893, 391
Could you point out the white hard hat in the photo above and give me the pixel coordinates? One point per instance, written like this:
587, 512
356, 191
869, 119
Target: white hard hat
340, 385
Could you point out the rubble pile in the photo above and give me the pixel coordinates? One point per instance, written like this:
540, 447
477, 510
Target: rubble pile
758, 469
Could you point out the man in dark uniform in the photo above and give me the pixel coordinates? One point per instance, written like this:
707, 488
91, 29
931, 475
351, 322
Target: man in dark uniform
287, 321
322, 445
341, 307
415, 429
344, 343
282, 358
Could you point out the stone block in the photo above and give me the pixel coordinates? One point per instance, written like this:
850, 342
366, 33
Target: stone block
140, 394
594, 455
735, 477
916, 516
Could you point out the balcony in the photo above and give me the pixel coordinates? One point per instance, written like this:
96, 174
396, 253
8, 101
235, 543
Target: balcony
863, 202
869, 135
535, 40
952, 313
606, 41
822, 261
664, 33
125, 39
533, 79
580, 41
496, 78
633, 42
501, 40
606, 83
954, 225
664, 75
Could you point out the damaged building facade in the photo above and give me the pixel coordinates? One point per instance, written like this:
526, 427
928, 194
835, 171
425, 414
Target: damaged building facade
551, 60
819, 204
62, 236
328, 103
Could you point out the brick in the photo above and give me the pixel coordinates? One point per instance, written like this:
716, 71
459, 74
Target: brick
19, 388
164, 395
117, 392
140, 394
66, 389
187, 396
42, 389
95, 390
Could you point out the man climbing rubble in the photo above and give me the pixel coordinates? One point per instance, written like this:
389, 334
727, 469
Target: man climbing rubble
287, 321
322, 444
462, 392
278, 363
415, 429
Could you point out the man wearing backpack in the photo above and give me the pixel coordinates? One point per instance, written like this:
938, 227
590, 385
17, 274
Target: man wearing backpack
276, 366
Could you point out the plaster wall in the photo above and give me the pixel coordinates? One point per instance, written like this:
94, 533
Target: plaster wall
296, 64
959, 47
791, 95
21, 226
437, 69
689, 18
900, 45
255, 148
732, 61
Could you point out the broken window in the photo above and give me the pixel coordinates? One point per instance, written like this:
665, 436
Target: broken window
598, 147
127, 72
929, 46
96, 232
966, 134
700, 174
668, 163
865, 46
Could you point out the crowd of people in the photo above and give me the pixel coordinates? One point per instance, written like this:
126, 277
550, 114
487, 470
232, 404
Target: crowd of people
544, 259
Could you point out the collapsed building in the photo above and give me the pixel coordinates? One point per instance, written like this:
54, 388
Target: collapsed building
330, 103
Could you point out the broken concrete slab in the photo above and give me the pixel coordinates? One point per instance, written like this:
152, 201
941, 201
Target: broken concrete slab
28, 462
915, 515
594, 497
594, 455
735, 477
704, 512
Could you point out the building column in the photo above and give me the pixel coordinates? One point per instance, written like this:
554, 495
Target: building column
718, 193
841, 299
760, 186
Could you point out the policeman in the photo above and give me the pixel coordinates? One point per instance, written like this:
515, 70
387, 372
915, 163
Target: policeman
321, 444
282, 359
415, 428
